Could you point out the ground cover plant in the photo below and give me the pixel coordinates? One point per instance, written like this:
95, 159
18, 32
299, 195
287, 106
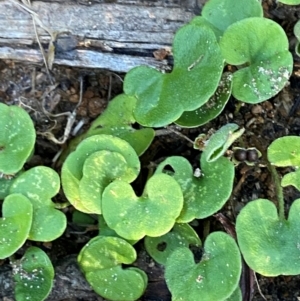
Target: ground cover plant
223, 58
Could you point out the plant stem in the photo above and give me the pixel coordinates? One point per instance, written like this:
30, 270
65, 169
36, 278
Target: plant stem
279, 191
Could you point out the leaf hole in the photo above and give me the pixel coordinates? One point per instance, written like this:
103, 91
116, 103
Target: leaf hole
161, 246
168, 169
136, 126
197, 252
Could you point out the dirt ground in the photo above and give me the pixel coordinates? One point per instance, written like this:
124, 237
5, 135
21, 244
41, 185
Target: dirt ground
29, 86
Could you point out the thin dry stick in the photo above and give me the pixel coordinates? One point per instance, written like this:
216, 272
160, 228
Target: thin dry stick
70, 122
258, 287
35, 20
169, 130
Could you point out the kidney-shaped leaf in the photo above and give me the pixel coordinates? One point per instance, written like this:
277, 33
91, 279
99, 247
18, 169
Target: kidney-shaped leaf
101, 261
152, 214
198, 65
270, 245
160, 248
204, 195
260, 47
15, 224
17, 138
33, 276
215, 277
84, 178
39, 184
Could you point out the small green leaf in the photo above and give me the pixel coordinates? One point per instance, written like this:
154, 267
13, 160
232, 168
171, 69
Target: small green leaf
162, 98
160, 248
220, 141
17, 138
113, 158
101, 261
285, 151
33, 276
39, 184
260, 48
15, 224
204, 195
270, 245
292, 178
117, 120
221, 14
215, 277
152, 214
212, 108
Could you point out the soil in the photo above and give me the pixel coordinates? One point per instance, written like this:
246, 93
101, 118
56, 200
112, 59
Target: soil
44, 98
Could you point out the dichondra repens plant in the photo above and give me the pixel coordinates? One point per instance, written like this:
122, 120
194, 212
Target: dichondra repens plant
231, 49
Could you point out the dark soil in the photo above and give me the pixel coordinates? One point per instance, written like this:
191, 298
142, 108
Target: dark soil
31, 88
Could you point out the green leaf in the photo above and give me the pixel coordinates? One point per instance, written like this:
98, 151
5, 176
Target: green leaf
284, 151
292, 178
152, 214
111, 158
33, 275
297, 28
260, 48
101, 261
270, 245
215, 277
99, 169
212, 108
162, 98
117, 120
221, 14
220, 141
15, 224
17, 138
39, 184
160, 248
204, 195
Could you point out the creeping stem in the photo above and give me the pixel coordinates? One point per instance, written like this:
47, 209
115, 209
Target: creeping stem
279, 190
